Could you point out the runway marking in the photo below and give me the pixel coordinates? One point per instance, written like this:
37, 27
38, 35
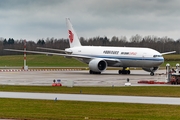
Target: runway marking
22, 70
93, 98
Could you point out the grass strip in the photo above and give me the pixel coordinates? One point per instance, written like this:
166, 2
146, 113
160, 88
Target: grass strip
74, 110
40, 61
159, 91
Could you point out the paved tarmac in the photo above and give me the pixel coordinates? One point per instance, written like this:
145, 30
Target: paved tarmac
78, 78
93, 98
83, 78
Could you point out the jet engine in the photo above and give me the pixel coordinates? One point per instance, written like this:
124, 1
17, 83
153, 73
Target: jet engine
152, 70
97, 65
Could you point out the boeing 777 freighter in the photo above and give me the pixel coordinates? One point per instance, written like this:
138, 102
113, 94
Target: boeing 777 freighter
100, 57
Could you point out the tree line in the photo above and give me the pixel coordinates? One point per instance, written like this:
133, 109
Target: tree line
163, 44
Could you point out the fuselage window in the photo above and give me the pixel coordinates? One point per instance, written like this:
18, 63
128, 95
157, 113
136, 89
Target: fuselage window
154, 55
157, 55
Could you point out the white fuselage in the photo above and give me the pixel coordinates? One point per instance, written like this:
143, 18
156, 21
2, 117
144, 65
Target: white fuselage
127, 56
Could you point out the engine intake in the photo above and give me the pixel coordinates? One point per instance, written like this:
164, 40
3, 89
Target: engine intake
97, 65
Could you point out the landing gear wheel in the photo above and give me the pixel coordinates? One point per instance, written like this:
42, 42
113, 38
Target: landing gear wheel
120, 71
152, 74
128, 72
92, 72
124, 71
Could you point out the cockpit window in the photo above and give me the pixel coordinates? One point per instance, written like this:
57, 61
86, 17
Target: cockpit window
157, 55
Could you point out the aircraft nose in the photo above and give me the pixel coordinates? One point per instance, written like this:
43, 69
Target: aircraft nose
159, 62
162, 61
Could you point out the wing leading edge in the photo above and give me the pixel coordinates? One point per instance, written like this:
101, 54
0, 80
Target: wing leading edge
66, 55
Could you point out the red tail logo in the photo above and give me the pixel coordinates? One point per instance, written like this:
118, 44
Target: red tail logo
71, 36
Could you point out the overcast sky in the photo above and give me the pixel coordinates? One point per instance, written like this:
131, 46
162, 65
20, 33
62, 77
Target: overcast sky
37, 19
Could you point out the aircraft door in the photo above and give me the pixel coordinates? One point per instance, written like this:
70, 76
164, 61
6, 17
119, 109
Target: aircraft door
144, 56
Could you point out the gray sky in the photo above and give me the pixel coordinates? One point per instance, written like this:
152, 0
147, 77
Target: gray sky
36, 19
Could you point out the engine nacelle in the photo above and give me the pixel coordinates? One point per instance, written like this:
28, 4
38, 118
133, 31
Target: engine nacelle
97, 65
153, 69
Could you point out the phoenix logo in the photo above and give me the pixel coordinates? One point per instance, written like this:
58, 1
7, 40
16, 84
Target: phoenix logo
71, 36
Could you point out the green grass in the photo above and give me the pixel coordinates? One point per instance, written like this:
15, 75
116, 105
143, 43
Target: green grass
26, 109
75, 110
40, 61
172, 63
172, 57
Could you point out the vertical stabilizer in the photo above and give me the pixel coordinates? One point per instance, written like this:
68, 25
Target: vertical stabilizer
73, 38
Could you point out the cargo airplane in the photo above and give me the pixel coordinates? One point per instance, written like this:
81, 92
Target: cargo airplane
100, 57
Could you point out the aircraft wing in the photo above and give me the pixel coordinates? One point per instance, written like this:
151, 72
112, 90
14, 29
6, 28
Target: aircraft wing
60, 54
63, 51
165, 53
49, 53
66, 55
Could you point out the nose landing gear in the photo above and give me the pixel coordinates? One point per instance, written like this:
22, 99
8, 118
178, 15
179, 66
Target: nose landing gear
152, 73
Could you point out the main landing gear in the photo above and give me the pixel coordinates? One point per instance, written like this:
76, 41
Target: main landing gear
92, 72
124, 71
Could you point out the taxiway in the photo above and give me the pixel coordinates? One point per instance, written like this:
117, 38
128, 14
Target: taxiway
92, 98
79, 78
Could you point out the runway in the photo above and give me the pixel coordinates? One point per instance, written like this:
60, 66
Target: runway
92, 98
